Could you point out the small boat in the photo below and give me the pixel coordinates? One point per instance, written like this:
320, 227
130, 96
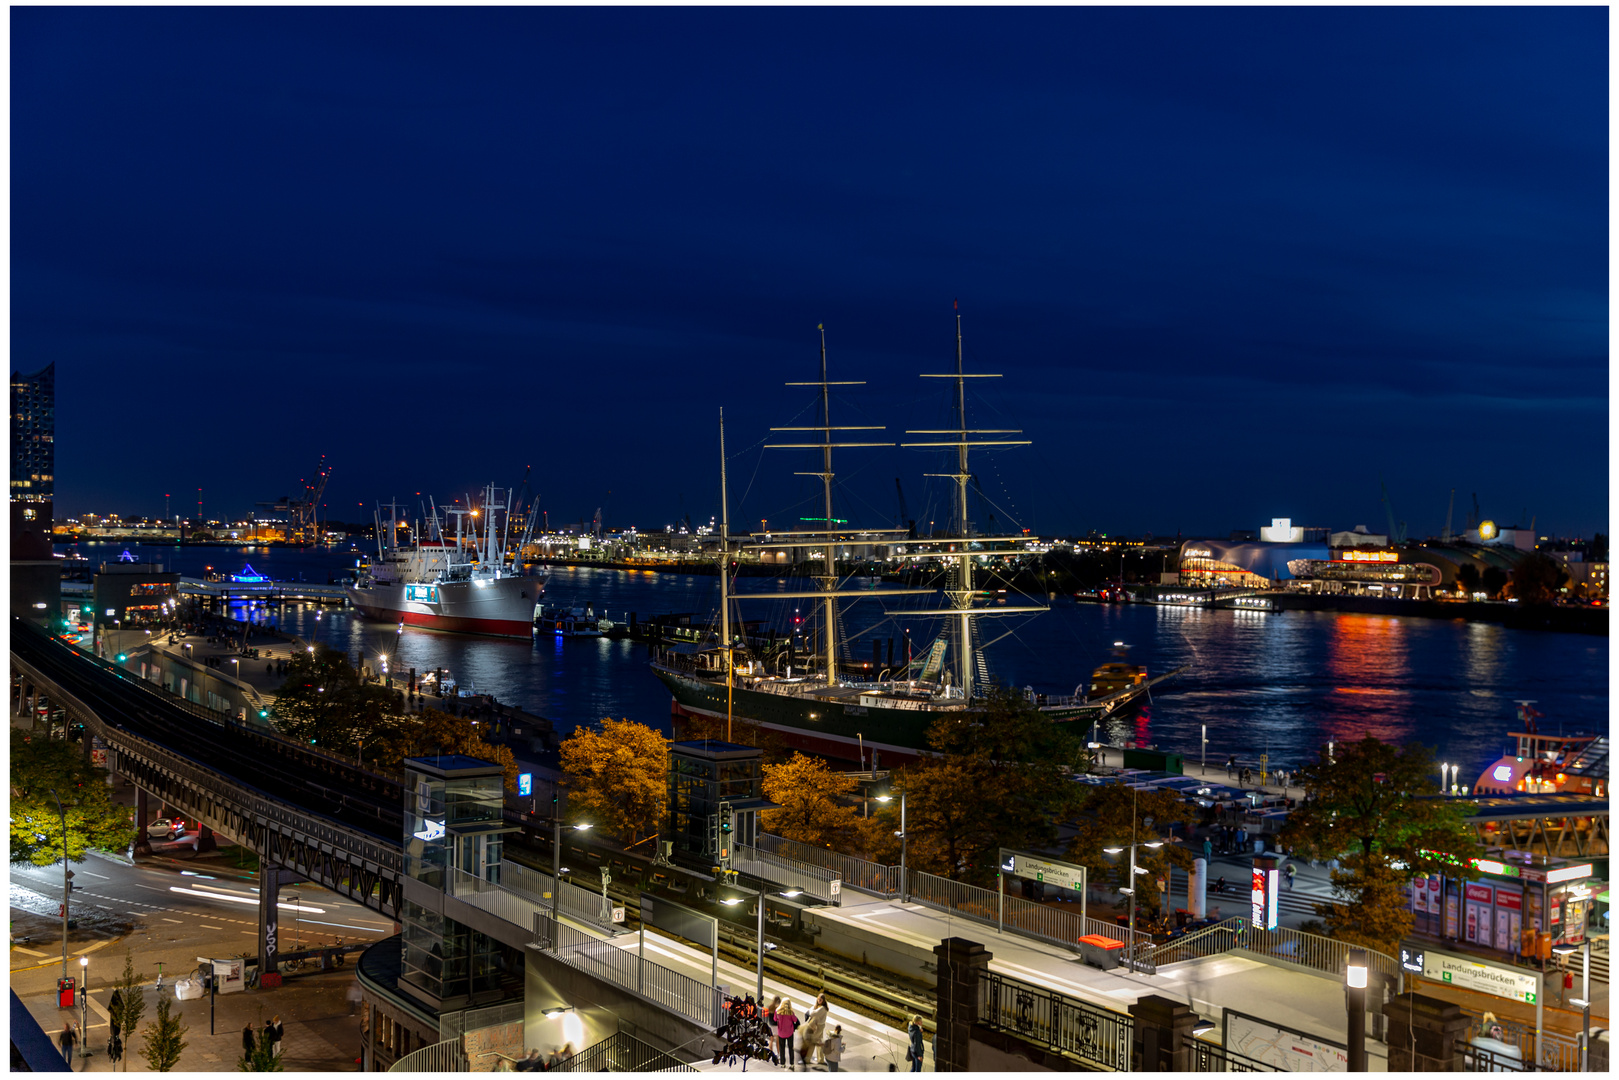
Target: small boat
572, 622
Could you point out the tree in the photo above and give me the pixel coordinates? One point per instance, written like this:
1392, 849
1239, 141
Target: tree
40, 766
1116, 816
1467, 577
1374, 808
440, 733
999, 779
165, 1037
1493, 581
810, 795
618, 778
1537, 580
324, 702
129, 1000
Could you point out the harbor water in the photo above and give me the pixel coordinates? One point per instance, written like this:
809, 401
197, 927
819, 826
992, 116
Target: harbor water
1282, 683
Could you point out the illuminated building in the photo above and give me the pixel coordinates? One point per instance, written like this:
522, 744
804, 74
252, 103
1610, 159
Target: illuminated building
36, 585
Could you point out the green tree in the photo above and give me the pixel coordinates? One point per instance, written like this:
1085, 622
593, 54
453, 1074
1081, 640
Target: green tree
1467, 576
325, 702
1493, 581
811, 796
440, 733
1375, 808
999, 777
618, 779
165, 1037
129, 1001
1537, 580
1115, 816
39, 767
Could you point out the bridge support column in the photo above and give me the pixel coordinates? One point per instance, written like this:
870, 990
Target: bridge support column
960, 965
143, 818
206, 840
271, 878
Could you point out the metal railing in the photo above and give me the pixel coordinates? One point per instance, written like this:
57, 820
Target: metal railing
1552, 1052
441, 1057
1326, 955
620, 1052
1025, 917
855, 873
816, 881
453, 1025
1205, 1057
1100, 1037
670, 990
577, 902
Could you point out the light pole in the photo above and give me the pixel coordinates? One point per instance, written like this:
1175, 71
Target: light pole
297, 931
1355, 1000
904, 893
556, 866
759, 937
1130, 889
84, 1006
1584, 1000
67, 878
1205, 759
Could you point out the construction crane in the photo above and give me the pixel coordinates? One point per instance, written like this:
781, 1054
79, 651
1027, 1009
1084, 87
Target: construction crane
1396, 535
1445, 537
305, 524
1478, 515
905, 518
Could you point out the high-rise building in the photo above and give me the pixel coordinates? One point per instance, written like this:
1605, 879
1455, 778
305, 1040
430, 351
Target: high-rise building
36, 581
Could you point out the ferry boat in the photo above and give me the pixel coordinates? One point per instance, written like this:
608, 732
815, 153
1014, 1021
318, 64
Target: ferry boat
1544, 763
464, 585
837, 709
572, 622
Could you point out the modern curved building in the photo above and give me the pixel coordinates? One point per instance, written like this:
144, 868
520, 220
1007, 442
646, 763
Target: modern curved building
1246, 563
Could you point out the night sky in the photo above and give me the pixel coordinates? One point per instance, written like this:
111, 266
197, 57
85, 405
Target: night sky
1234, 264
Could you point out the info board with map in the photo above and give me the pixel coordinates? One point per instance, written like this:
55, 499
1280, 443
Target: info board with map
1282, 1047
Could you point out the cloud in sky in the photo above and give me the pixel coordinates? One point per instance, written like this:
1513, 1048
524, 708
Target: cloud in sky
1234, 263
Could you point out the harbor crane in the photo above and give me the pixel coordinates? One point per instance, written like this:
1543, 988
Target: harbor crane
1396, 535
302, 524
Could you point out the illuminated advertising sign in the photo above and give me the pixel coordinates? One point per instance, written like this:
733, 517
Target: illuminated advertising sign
1365, 556
1265, 897
1568, 873
525, 783
1502, 773
431, 830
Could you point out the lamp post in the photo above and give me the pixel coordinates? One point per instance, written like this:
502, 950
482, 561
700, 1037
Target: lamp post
1355, 1000
1130, 889
904, 892
1584, 1000
84, 1006
67, 878
1204, 765
556, 866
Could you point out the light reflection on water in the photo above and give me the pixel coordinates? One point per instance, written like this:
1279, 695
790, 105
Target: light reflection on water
1285, 681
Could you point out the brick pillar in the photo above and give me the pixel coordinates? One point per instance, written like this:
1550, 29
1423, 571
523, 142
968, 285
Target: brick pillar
1424, 1033
1163, 1031
961, 963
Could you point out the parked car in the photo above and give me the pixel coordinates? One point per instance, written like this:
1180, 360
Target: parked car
166, 829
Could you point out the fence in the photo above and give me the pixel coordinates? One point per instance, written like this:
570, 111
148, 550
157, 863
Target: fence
1553, 1052
1100, 1037
1043, 921
816, 881
622, 1053
577, 902
442, 1057
682, 995
453, 1025
1325, 955
863, 874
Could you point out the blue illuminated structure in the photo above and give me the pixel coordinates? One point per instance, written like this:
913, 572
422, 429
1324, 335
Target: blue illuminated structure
249, 576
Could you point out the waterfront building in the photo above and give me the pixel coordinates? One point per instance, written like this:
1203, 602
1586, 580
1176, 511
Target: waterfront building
36, 588
133, 593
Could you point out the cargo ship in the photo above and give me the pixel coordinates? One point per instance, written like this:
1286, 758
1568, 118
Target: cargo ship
819, 704
463, 585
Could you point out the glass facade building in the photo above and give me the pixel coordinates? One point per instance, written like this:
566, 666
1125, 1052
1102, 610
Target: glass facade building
702, 774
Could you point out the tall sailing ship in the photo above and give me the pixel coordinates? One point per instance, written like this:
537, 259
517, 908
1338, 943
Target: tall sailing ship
831, 711
465, 585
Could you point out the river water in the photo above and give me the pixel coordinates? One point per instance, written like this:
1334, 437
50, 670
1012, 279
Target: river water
1278, 682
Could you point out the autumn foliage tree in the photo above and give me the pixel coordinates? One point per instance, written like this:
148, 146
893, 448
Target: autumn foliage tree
1116, 816
325, 702
811, 795
1375, 808
617, 779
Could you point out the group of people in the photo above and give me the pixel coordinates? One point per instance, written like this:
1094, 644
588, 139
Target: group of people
813, 1045
1245, 775
271, 1032
532, 1062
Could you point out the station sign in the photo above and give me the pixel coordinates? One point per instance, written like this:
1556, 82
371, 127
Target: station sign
1411, 959
1052, 873
1513, 984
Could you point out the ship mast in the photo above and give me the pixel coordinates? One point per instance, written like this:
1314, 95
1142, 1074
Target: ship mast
961, 597
827, 581
725, 574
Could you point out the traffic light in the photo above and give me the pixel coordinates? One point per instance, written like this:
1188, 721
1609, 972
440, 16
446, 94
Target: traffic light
263, 713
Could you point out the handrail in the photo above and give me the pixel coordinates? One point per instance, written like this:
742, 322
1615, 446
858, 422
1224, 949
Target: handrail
446, 1056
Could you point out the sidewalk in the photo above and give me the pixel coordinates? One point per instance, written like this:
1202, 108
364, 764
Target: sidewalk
321, 1034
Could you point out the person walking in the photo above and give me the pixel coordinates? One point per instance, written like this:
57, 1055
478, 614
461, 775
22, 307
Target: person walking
786, 1024
1291, 871
1208, 850
832, 1048
913, 1053
1230, 765
814, 1031
66, 1039
247, 1040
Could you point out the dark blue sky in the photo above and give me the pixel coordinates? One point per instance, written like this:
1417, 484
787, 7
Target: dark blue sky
1234, 264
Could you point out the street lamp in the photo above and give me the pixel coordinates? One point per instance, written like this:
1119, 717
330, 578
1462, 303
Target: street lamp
84, 1006
67, 879
904, 893
1584, 1000
557, 867
1355, 995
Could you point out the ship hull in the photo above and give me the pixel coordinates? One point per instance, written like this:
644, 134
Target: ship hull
503, 607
